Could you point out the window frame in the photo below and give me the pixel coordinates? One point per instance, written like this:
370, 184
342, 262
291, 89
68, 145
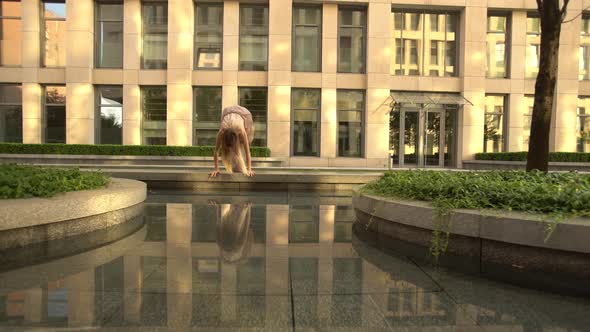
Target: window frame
363, 124
505, 121
320, 35
196, 44
579, 120
254, 122
42, 30
585, 17
44, 105
17, 105
527, 45
365, 41
97, 32
143, 3
507, 41
19, 18
98, 105
319, 122
195, 115
142, 111
242, 33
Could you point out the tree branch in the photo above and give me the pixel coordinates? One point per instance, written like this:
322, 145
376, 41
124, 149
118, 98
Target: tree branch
540, 6
563, 10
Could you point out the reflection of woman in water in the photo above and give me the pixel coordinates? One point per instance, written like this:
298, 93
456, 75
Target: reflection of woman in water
234, 236
236, 132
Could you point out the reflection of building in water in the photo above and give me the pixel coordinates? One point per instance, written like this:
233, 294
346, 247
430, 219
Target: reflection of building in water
177, 276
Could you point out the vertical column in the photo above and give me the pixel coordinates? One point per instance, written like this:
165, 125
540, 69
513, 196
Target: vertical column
277, 225
179, 74
132, 277
563, 124
35, 305
327, 215
229, 283
329, 64
231, 45
516, 107
277, 267
179, 265
80, 126
378, 74
81, 292
279, 77
31, 60
131, 63
473, 38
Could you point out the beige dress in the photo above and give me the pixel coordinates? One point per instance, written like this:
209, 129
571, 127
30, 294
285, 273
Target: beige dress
238, 117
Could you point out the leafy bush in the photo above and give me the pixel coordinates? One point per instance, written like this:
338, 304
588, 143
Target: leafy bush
119, 150
20, 181
577, 157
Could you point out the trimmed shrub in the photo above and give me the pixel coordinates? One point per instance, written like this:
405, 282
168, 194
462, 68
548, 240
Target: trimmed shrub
571, 157
119, 150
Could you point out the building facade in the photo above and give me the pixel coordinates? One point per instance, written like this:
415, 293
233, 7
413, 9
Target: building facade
329, 83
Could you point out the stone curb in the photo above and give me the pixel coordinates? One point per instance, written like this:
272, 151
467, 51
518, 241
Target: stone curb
514, 228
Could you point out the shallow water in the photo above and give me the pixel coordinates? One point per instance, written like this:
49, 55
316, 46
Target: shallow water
275, 262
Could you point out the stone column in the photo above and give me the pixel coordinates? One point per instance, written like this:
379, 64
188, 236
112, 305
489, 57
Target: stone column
378, 88
80, 125
132, 279
35, 305
31, 60
231, 44
81, 293
277, 225
179, 75
329, 124
279, 77
131, 63
517, 108
473, 56
327, 215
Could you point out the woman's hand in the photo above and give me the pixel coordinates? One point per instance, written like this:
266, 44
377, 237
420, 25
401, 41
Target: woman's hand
215, 173
250, 173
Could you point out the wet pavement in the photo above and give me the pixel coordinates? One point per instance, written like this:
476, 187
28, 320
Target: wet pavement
275, 262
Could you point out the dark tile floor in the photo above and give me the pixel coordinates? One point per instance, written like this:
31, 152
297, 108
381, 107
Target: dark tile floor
273, 262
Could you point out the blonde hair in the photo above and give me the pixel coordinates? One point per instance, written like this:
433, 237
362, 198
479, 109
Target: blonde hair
234, 236
232, 149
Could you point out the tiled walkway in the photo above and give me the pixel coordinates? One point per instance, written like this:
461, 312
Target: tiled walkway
275, 262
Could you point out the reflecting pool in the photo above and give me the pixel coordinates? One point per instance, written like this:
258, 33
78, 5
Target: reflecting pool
261, 261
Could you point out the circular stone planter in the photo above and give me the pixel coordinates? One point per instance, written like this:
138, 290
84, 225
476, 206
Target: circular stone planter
36, 220
510, 246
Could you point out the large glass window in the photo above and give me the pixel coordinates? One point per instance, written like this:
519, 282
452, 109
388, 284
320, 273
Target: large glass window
583, 125
497, 57
11, 114
54, 42
584, 73
253, 37
256, 101
307, 38
350, 107
109, 115
533, 46
109, 34
352, 23
527, 116
155, 35
424, 43
207, 115
305, 122
54, 114
208, 35
153, 108
495, 121
10, 33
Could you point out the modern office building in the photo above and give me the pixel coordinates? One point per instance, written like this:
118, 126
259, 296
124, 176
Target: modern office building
329, 83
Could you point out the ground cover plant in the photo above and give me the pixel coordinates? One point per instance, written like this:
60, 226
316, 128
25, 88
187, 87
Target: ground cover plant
24, 181
555, 195
567, 157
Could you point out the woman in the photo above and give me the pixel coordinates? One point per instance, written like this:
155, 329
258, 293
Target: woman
236, 132
234, 235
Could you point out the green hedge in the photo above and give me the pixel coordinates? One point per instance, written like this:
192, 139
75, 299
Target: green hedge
118, 150
572, 157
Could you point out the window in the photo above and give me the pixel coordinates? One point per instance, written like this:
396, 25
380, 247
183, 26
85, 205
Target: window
495, 122
305, 122
207, 115
208, 35
350, 107
54, 114
351, 39
533, 46
109, 115
153, 107
10, 33
11, 114
155, 35
109, 34
54, 42
527, 114
496, 46
584, 73
255, 100
304, 226
307, 38
425, 43
583, 125
253, 37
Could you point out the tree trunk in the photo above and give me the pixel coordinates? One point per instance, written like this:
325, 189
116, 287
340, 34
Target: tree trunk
538, 155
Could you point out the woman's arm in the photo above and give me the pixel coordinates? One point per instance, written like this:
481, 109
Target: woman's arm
248, 156
215, 156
